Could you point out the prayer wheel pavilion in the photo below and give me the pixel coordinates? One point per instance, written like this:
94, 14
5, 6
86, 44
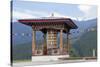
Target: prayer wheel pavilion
50, 27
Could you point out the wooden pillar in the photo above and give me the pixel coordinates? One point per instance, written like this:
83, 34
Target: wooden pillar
45, 44
33, 42
61, 41
68, 42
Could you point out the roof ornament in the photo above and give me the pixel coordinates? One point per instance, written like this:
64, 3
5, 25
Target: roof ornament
52, 15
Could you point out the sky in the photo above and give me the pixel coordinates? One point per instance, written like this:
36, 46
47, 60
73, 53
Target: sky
31, 9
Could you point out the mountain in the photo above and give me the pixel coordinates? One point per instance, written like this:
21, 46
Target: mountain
82, 42
83, 25
23, 33
85, 45
17, 30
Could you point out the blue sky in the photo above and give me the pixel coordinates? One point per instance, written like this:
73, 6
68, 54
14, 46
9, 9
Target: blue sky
31, 9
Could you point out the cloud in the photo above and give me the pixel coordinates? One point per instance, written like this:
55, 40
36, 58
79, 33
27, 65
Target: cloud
37, 13
17, 14
85, 8
21, 15
25, 14
57, 14
89, 11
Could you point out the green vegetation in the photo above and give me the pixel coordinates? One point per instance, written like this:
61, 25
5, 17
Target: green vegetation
81, 48
86, 43
22, 52
71, 58
73, 52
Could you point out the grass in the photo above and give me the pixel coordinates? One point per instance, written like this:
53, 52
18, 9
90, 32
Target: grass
71, 58
77, 58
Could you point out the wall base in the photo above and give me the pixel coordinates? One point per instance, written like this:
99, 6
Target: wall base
48, 58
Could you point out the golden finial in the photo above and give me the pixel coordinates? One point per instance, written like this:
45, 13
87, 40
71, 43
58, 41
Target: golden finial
52, 15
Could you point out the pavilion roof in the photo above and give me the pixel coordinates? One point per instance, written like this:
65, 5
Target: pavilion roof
48, 20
